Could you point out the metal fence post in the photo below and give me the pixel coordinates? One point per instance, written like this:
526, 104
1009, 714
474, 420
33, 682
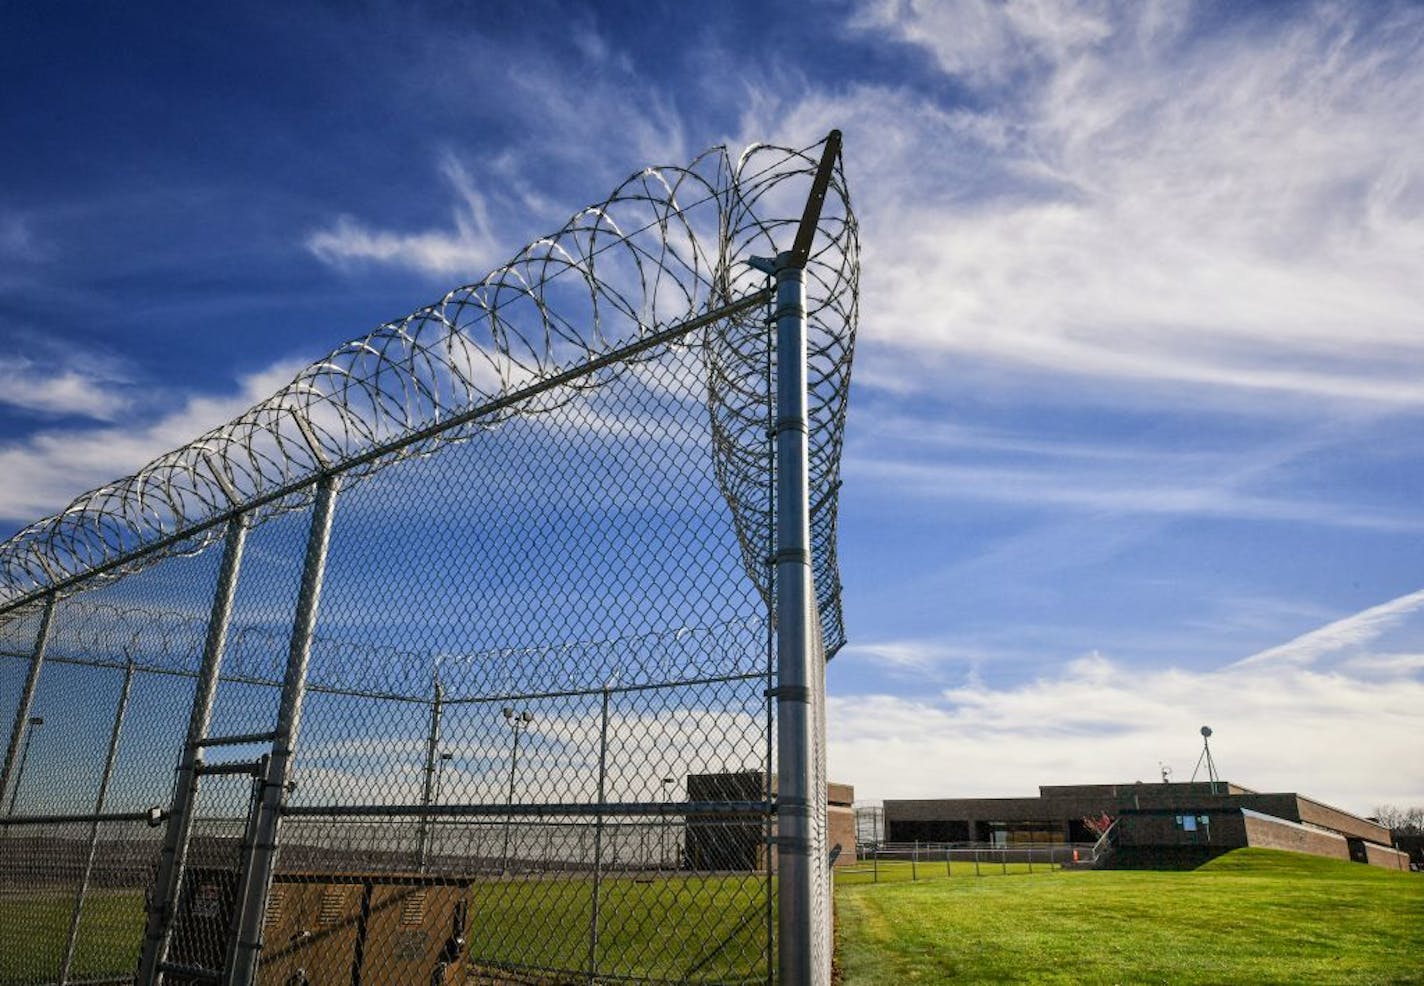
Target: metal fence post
72, 939
257, 878
185, 786
598, 838
915, 861
795, 757
432, 752
27, 698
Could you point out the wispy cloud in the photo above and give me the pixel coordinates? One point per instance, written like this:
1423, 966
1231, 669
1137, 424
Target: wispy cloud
1208, 476
904, 656
1343, 635
16, 239
464, 251
985, 40
596, 124
86, 389
1105, 492
46, 470
1149, 196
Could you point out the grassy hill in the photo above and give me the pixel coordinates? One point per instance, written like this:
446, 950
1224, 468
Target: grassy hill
1251, 916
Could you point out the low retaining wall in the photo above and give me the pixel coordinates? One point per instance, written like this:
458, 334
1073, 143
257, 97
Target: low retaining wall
1276, 833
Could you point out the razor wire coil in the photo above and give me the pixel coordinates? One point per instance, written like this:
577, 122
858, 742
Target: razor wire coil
669, 244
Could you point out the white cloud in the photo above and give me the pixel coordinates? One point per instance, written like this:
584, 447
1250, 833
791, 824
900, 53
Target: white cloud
1335, 731
597, 126
985, 40
1356, 630
1333, 736
1152, 199
465, 252
89, 391
47, 469
1108, 492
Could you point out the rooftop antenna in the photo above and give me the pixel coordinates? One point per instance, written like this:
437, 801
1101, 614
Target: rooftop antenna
1166, 772
1205, 758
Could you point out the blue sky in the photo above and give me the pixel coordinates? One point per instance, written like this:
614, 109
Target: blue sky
1135, 437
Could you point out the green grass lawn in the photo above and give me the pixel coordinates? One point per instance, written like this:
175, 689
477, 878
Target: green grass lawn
681, 928
1251, 916
694, 928
903, 871
33, 931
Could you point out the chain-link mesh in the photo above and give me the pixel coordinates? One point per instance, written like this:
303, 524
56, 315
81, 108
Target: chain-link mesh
469, 627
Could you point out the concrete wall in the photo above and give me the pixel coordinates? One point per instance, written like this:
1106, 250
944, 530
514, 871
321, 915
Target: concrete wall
1391, 859
1275, 833
1315, 813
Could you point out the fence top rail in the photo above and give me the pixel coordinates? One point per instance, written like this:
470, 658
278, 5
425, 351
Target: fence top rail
655, 809
665, 254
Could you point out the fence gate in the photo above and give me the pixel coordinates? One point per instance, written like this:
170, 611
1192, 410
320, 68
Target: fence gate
491, 649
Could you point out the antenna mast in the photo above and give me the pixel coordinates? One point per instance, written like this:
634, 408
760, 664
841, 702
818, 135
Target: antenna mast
1205, 758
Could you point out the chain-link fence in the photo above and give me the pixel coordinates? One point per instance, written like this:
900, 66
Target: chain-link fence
894, 862
456, 660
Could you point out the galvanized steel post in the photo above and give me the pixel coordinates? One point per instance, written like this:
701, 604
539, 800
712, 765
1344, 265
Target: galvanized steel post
257, 879
185, 785
598, 838
796, 931
27, 698
432, 754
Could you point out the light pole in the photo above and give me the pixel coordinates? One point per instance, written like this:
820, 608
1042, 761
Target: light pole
34, 723
518, 722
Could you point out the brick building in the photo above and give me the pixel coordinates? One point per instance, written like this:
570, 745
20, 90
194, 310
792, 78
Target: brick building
737, 844
1154, 822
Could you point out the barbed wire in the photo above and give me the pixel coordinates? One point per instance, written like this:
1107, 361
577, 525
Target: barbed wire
669, 244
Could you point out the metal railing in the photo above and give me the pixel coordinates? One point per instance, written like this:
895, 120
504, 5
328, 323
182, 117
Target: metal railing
912, 861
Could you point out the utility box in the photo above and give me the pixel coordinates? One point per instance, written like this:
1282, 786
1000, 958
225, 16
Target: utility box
310, 931
416, 934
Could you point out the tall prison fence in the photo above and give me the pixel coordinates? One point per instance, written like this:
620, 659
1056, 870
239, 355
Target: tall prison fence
456, 659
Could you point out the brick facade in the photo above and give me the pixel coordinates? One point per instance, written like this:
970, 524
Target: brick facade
1194, 817
738, 844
